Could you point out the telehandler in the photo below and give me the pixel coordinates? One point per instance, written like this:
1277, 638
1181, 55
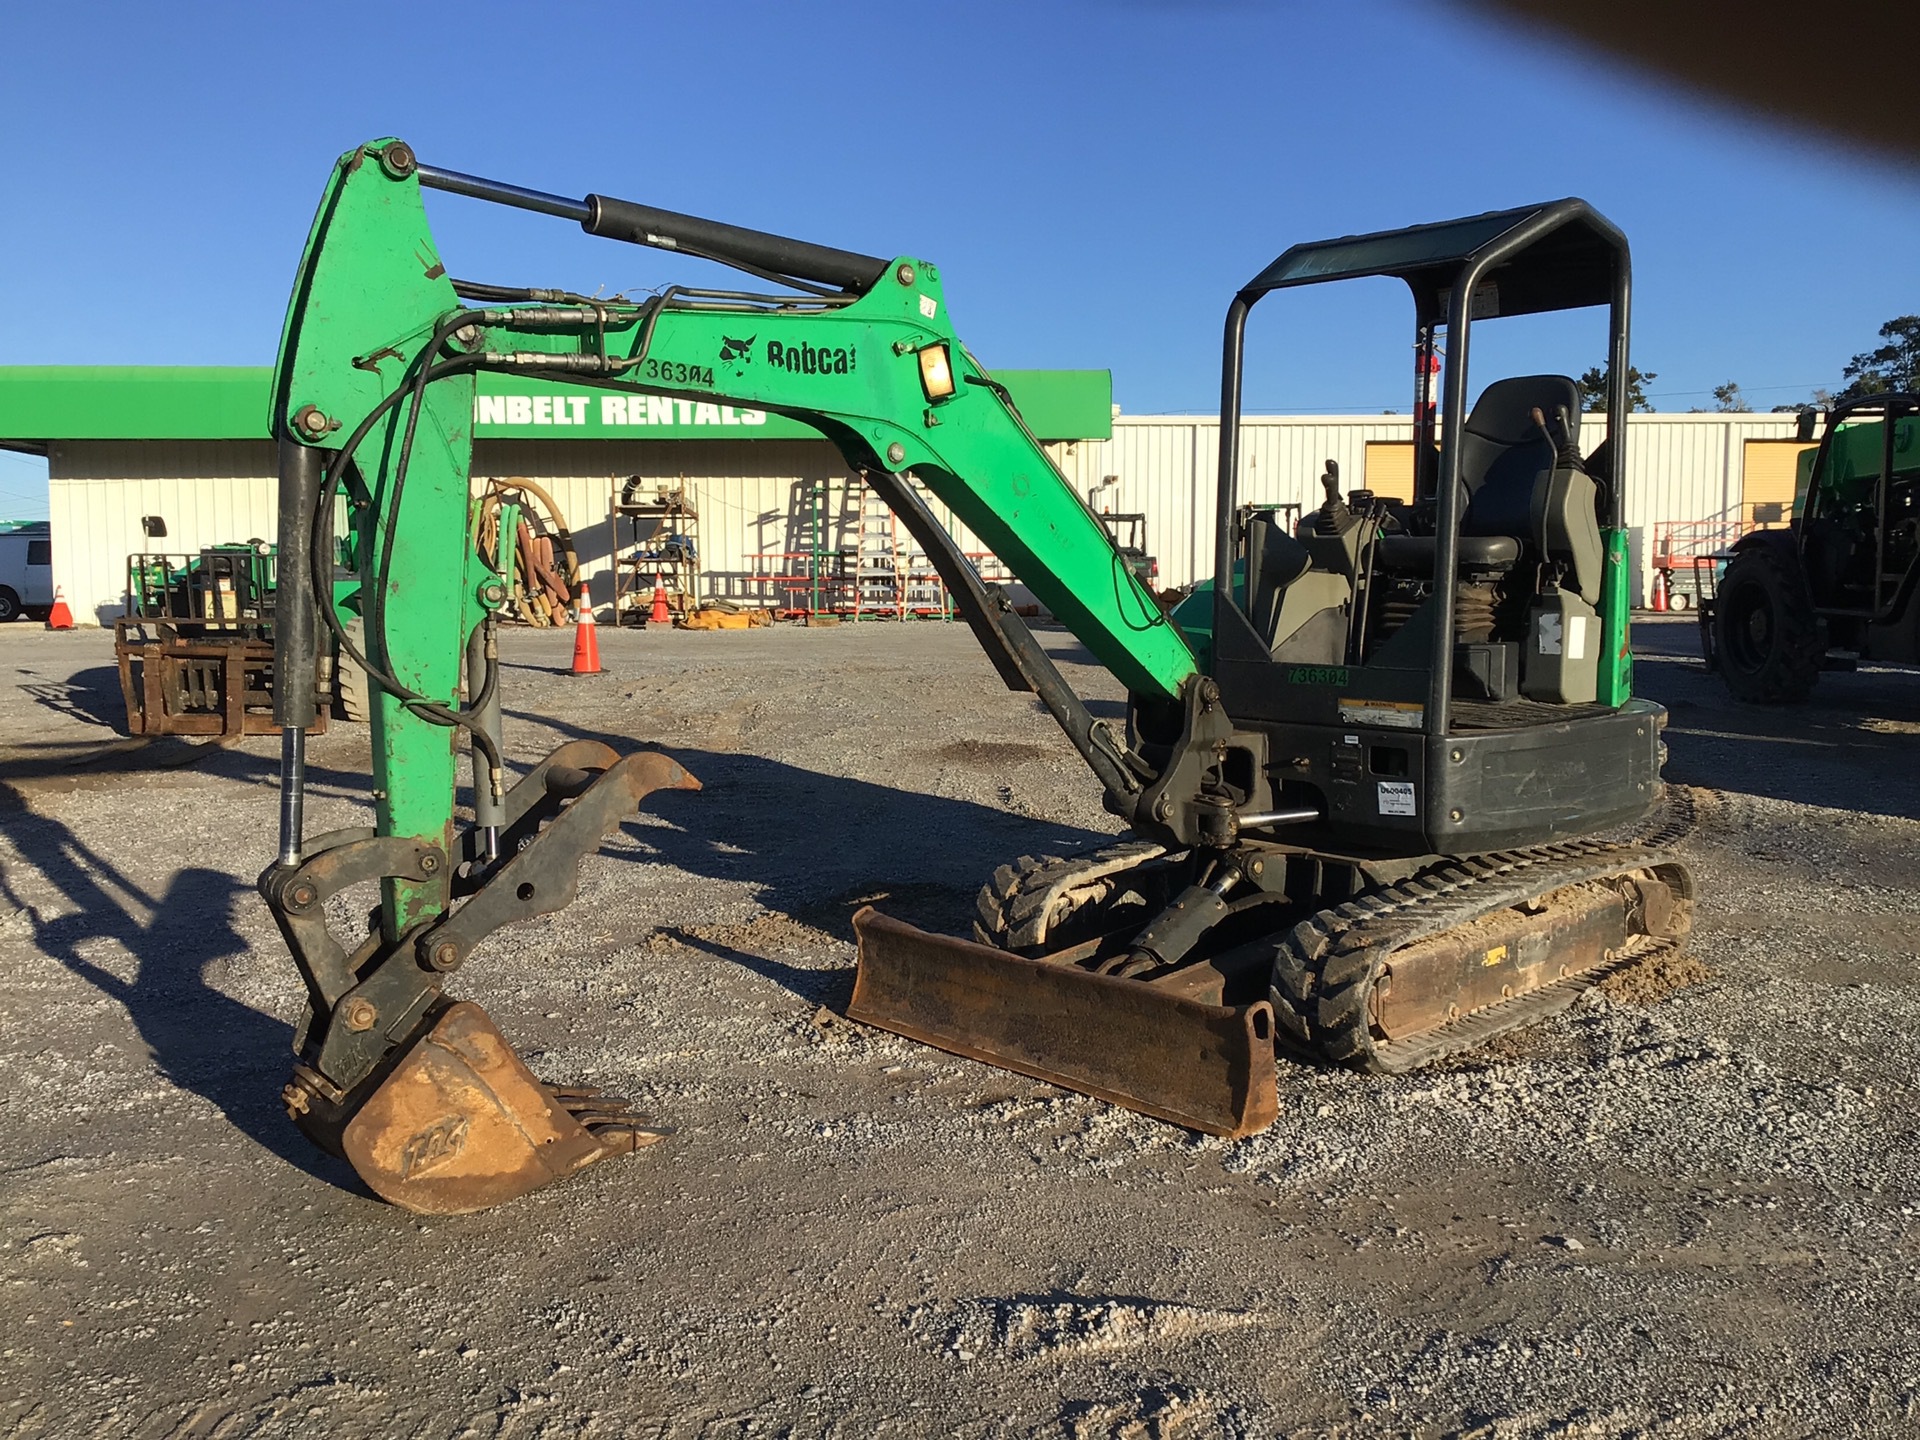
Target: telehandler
1365, 767
1842, 582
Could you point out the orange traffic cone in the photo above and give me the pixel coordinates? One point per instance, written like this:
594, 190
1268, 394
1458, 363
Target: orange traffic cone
59, 617
1658, 602
661, 615
586, 636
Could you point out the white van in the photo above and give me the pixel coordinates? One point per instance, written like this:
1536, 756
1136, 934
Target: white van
26, 569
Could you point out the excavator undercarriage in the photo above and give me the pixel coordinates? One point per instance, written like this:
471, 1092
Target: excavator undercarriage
1366, 766
1378, 968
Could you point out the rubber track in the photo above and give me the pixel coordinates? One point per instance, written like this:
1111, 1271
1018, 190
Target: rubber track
1325, 968
1012, 908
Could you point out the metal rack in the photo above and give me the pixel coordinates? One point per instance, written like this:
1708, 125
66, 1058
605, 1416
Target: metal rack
656, 539
223, 586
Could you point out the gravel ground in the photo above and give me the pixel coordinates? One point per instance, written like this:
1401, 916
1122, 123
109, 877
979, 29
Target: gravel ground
1672, 1211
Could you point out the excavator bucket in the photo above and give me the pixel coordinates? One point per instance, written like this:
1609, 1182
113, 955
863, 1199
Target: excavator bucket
438, 1114
461, 1124
1207, 1067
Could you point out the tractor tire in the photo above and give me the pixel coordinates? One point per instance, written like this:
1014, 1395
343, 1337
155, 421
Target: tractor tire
1767, 643
352, 695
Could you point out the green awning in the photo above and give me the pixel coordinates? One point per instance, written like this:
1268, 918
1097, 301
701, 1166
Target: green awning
43, 403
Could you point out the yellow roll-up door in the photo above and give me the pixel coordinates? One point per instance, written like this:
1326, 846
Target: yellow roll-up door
1389, 469
1767, 479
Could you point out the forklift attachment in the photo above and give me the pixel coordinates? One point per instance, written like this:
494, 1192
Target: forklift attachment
194, 677
1207, 1067
461, 1124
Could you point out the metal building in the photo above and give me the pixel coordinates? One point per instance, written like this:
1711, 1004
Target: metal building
189, 445
1679, 468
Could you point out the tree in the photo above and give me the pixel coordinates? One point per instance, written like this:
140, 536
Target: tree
1593, 388
1728, 399
1894, 366
1820, 400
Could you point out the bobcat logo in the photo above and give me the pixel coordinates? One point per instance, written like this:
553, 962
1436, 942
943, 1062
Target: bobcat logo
731, 349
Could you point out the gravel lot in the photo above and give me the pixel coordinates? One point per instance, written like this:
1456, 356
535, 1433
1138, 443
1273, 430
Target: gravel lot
1673, 1212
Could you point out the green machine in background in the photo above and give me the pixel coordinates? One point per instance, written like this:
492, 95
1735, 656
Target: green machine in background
195, 646
1360, 770
1839, 584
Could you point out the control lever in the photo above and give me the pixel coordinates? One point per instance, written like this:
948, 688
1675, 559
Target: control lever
1566, 455
1334, 517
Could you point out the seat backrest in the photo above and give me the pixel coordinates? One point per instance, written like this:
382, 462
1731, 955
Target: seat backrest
1503, 417
1514, 485
1503, 454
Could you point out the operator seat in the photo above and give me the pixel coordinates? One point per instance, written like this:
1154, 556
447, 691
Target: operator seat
1517, 494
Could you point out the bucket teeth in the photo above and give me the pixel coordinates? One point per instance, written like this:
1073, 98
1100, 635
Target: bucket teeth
608, 1118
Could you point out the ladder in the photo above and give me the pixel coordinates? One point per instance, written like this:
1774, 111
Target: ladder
879, 581
851, 556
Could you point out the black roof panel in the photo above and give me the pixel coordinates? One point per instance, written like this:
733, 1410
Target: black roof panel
1563, 256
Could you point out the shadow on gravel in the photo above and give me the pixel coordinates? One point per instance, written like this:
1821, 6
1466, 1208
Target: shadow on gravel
91, 695
62, 765
1852, 746
59, 766
816, 844
202, 1040
831, 988
929, 907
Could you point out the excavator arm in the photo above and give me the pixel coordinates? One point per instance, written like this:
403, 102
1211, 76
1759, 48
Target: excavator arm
378, 336
373, 407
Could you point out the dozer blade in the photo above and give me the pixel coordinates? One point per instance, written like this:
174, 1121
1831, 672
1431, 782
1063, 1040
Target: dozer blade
460, 1124
1207, 1067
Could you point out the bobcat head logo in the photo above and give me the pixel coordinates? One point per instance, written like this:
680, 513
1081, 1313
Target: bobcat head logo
731, 349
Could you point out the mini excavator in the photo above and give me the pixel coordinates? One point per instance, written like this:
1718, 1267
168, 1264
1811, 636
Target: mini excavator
1388, 790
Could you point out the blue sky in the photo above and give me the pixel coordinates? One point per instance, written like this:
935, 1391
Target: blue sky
1095, 179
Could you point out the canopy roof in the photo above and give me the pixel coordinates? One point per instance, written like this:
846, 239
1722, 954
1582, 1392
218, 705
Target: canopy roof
1556, 256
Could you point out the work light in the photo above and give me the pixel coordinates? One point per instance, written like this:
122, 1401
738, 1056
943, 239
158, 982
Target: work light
936, 372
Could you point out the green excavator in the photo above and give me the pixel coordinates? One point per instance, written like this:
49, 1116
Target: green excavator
1376, 770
